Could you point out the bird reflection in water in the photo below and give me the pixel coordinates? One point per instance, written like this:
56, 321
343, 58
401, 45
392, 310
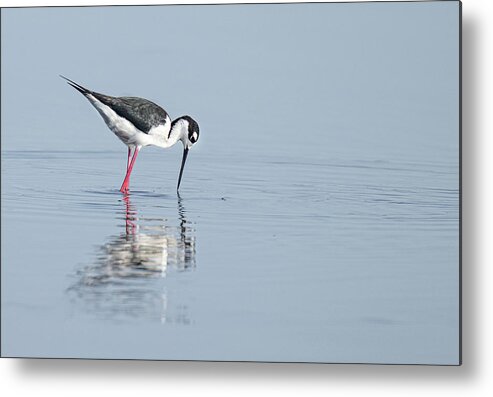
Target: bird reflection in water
127, 277
150, 246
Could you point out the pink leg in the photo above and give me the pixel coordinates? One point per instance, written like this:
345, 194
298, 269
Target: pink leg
128, 158
130, 216
126, 181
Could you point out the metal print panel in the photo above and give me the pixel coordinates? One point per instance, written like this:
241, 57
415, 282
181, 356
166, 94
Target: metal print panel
317, 219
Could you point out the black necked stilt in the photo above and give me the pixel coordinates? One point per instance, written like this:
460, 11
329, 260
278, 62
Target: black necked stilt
139, 122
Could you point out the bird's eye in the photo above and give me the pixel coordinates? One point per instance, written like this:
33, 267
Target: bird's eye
193, 137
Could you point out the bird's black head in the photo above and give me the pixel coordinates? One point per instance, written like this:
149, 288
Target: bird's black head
193, 131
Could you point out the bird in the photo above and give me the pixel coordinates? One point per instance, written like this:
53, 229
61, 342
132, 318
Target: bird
138, 122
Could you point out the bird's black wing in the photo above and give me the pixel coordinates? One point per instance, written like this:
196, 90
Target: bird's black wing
140, 112
143, 114
78, 87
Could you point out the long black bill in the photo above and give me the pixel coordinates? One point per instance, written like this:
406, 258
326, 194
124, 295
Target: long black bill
185, 154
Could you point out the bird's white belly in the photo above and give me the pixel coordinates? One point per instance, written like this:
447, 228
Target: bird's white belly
121, 127
127, 132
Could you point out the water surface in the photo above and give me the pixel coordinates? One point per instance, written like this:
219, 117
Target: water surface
333, 260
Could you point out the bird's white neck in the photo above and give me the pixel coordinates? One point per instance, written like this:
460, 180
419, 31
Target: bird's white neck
178, 132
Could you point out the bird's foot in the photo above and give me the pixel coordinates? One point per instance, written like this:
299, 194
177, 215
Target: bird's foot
124, 189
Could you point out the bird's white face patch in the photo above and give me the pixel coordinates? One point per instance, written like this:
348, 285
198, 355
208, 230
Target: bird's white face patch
195, 136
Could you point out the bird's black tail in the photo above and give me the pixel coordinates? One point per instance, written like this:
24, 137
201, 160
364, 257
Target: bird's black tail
78, 87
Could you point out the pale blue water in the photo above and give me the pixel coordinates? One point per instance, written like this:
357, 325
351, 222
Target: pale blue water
318, 218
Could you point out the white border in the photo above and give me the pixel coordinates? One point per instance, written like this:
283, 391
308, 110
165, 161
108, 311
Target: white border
474, 378
17, 3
